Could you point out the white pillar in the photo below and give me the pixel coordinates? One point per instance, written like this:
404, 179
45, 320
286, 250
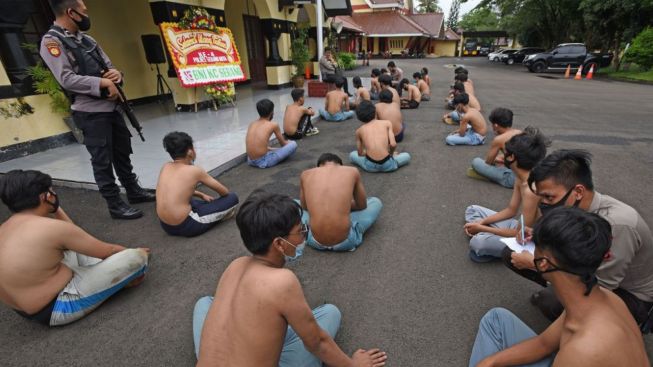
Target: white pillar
320, 37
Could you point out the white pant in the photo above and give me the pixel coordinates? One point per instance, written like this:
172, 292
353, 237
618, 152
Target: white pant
94, 280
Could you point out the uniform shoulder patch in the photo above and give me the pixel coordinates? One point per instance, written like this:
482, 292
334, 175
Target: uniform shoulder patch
53, 48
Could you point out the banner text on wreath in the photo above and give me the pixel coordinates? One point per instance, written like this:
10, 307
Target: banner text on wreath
201, 56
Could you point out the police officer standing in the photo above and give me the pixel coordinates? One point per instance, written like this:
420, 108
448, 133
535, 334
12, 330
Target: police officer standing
76, 60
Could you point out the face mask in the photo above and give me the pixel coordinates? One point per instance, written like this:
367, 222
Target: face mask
545, 208
84, 24
299, 251
589, 279
507, 162
55, 204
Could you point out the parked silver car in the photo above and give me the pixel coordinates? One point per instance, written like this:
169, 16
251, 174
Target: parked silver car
500, 55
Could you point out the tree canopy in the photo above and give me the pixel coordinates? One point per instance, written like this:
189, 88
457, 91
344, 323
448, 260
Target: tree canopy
428, 6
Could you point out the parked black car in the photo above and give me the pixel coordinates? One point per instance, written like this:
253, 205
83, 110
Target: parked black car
572, 54
520, 55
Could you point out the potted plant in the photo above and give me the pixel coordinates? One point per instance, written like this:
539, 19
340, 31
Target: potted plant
300, 56
45, 83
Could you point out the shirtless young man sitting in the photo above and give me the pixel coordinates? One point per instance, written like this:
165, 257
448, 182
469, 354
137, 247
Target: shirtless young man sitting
259, 153
487, 227
375, 88
375, 142
335, 205
386, 110
426, 77
336, 104
413, 96
386, 84
259, 316
473, 127
361, 94
423, 87
596, 328
179, 213
463, 78
51, 271
492, 167
297, 119
454, 117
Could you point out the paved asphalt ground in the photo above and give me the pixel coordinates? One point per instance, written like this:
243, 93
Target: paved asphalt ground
410, 289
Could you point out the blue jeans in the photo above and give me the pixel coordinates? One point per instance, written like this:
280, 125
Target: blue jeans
390, 165
455, 116
274, 157
294, 352
361, 221
500, 329
483, 243
471, 138
502, 175
337, 117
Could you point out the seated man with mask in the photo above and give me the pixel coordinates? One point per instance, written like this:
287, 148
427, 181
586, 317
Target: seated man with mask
259, 316
564, 178
52, 271
596, 328
182, 210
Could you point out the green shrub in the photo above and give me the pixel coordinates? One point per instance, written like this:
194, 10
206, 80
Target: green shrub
641, 49
347, 60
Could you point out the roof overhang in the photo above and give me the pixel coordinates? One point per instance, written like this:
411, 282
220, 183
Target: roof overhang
383, 6
399, 35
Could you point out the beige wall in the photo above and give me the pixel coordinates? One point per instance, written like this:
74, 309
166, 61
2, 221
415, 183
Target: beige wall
444, 48
123, 42
403, 42
234, 11
4, 79
41, 124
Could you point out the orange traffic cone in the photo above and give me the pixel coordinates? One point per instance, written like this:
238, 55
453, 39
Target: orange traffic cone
568, 71
590, 74
579, 74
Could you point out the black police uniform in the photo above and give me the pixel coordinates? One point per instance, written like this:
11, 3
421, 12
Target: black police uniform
75, 60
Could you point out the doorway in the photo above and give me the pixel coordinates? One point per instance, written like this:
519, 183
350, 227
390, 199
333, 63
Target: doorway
255, 48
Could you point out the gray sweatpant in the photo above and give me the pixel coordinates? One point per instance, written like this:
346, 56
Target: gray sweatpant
484, 243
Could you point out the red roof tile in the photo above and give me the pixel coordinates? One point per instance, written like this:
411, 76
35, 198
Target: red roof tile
348, 23
431, 22
387, 23
451, 35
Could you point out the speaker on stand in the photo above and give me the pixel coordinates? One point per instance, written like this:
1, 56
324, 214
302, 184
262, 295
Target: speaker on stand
155, 56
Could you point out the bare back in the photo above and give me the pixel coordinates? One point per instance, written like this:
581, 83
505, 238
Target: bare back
423, 87
245, 324
395, 95
328, 192
414, 93
258, 137
476, 120
605, 336
174, 190
362, 94
31, 272
291, 118
392, 113
336, 100
375, 85
375, 138
474, 103
469, 87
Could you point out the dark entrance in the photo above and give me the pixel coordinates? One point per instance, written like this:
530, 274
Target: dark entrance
255, 48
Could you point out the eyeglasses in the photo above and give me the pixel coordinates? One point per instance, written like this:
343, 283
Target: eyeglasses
303, 230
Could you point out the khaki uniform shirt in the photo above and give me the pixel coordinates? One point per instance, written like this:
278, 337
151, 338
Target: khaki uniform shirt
631, 264
64, 67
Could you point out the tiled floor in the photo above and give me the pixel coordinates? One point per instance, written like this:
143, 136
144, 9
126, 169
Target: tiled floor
219, 139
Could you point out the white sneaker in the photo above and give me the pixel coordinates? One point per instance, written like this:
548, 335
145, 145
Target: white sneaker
313, 131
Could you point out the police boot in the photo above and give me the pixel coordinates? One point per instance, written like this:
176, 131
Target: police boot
118, 209
136, 194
